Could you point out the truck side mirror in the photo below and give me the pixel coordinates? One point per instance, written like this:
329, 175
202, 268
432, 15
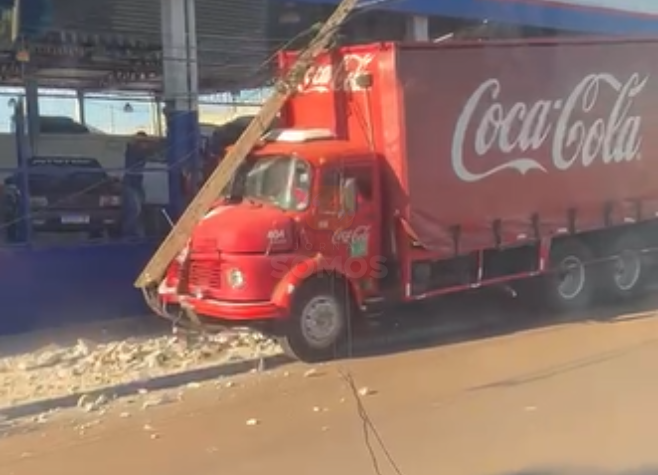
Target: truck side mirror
348, 196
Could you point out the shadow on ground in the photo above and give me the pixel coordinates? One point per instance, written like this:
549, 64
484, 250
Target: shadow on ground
480, 315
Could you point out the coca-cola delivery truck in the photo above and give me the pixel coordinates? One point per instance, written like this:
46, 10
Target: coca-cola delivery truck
407, 171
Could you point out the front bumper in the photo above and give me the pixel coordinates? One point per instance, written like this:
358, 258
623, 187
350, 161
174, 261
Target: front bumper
178, 307
231, 311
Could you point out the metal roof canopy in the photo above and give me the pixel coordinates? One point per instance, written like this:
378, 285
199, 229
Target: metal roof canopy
106, 45
116, 45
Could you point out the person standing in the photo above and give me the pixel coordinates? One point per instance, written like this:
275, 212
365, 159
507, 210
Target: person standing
133, 195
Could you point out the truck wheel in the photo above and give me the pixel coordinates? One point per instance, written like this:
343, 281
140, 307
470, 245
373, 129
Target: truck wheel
624, 276
570, 283
317, 327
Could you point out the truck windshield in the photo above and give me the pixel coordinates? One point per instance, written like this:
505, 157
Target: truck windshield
281, 180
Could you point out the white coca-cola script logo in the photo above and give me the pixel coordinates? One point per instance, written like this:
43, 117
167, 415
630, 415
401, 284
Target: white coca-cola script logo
336, 77
575, 128
349, 236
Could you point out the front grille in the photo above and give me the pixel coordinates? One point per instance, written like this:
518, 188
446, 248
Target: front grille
173, 273
203, 245
204, 275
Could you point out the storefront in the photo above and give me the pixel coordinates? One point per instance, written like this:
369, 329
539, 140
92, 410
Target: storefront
79, 216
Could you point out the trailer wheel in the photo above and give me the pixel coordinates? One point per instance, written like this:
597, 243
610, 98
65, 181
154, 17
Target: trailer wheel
624, 276
570, 283
317, 327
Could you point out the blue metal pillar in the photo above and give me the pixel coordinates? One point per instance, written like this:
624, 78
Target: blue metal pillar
24, 226
81, 109
179, 51
32, 112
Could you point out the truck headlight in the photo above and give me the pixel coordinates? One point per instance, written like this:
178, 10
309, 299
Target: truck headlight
235, 278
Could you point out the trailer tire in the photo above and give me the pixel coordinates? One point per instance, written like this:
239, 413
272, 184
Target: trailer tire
317, 327
570, 283
625, 276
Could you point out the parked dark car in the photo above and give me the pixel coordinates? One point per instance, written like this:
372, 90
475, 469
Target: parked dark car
52, 124
67, 194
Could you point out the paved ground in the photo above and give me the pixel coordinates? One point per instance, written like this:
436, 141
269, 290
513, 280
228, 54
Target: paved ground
575, 398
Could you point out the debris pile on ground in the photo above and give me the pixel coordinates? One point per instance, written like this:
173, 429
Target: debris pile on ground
86, 366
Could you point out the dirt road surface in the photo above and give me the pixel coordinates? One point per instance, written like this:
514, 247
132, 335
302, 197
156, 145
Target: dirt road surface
573, 398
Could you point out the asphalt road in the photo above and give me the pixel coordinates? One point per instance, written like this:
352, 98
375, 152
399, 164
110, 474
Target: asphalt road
572, 398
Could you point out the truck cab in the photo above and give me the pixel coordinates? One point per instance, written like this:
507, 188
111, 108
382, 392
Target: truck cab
292, 247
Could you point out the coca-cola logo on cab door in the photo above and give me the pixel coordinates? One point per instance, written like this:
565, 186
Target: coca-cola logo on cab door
573, 131
351, 236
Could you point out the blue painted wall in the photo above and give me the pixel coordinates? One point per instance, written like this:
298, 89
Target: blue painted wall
43, 287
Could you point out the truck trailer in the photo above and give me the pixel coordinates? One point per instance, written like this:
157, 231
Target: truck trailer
407, 171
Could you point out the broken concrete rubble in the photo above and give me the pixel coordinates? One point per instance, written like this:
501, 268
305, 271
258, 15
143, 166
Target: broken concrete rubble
87, 366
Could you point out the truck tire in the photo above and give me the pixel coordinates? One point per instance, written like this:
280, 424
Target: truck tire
317, 327
570, 284
625, 276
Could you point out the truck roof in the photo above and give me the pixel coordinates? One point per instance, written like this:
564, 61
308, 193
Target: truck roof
316, 150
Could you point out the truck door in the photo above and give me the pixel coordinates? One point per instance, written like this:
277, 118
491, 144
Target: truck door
355, 239
365, 250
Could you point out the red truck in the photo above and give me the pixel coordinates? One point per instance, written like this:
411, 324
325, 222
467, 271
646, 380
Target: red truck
407, 171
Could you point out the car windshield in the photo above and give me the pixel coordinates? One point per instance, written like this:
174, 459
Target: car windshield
281, 180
